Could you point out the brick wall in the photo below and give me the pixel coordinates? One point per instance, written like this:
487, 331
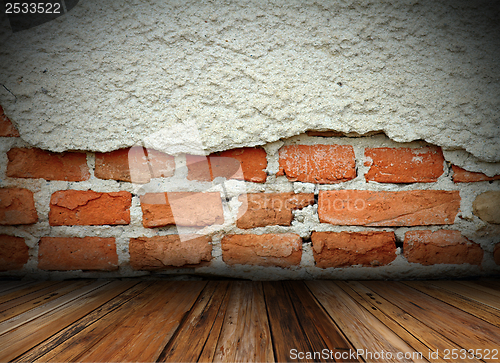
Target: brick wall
319, 205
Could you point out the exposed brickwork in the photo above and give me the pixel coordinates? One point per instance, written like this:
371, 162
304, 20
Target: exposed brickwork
73, 253
404, 165
161, 252
247, 163
496, 254
76, 207
183, 209
463, 176
136, 164
283, 250
17, 206
36, 163
266, 209
322, 164
487, 206
14, 253
371, 208
7, 129
332, 249
443, 246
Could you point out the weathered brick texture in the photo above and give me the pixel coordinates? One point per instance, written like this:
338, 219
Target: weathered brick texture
241, 164
7, 129
443, 246
404, 165
136, 164
14, 253
74, 253
496, 254
404, 208
322, 164
487, 206
36, 163
183, 209
76, 207
161, 252
283, 250
17, 206
266, 209
463, 176
341, 249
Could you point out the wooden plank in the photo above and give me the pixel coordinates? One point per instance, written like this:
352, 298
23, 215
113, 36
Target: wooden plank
61, 339
37, 292
148, 330
486, 289
363, 330
189, 340
208, 352
41, 297
414, 332
81, 342
245, 334
27, 336
319, 328
23, 290
485, 312
492, 284
28, 316
462, 328
285, 327
7, 286
473, 294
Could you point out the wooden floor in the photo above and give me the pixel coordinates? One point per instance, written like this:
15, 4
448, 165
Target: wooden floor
146, 321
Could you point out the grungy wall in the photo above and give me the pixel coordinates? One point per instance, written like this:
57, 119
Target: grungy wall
392, 104
244, 73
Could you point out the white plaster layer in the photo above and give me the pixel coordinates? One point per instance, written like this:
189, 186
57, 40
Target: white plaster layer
240, 73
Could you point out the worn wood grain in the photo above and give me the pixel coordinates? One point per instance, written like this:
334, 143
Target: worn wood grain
471, 293
42, 297
61, 339
245, 335
485, 312
415, 332
188, 342
148, 330
456, 325
30, 334
362, 329
7, 287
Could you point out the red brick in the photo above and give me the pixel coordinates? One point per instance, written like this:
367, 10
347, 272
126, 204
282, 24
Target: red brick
282, 250
496, 254
17, 206
443, 246
13, 253
73, 253
36, 163
267, 209
322, 164
247, 163
463, 176
136, 164
340, 249
7, 129
77, 207
161, 252
404, 165
405, 208
182, 209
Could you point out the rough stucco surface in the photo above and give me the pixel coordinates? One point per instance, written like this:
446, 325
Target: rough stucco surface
203, 76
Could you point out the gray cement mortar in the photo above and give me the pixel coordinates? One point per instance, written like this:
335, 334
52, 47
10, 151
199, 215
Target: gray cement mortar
204, 76
305, 221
